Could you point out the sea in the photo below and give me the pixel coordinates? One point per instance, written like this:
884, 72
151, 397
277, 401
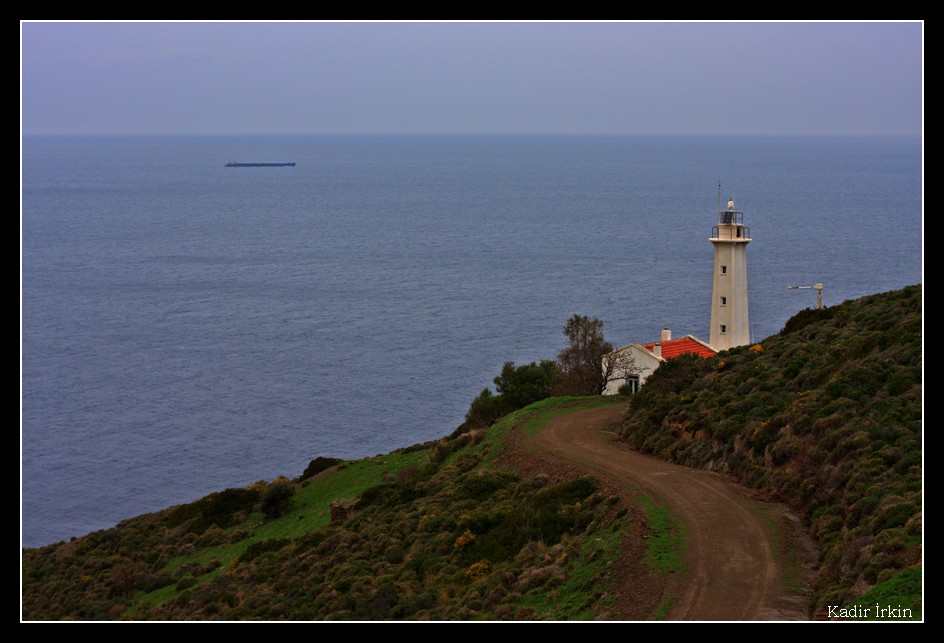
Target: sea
188, 327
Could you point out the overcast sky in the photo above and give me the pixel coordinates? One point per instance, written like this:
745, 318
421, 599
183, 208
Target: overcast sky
621, 78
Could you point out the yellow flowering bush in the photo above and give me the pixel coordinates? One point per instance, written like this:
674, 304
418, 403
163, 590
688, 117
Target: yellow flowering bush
464, 540
478, 570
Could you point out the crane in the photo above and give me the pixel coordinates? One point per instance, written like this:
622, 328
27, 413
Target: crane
819, 293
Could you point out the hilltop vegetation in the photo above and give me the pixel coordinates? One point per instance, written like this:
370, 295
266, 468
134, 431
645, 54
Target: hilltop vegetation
825, 416
436, 531
576, 372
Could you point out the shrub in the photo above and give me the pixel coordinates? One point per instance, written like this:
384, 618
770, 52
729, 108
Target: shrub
185, 582
389, 494
480, 485
219, 509
407, 475
804, 318
438, 451
260, 547
478, 570
277, 499
465, 539
544, 517
318, 465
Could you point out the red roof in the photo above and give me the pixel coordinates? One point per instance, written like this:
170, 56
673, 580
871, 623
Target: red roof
675, 347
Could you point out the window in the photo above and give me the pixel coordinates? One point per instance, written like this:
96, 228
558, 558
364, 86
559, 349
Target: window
724, 301
724, 270
724, 329
630, 386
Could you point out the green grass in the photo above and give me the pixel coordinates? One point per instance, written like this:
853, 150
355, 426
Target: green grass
901, 591
666, 542
530, 415
156, 597
662, 612
562, 405
535, 416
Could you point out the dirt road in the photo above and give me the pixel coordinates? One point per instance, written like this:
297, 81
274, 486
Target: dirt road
732, 570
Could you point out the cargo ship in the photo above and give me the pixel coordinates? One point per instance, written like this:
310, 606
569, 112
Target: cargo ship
235, 164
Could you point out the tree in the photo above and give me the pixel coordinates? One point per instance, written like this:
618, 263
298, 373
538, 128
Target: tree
484, 410
582, 359
519, 386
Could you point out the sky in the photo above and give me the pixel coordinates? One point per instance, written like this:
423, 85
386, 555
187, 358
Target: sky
472, 77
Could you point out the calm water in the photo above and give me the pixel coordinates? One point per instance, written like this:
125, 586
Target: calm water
188, 327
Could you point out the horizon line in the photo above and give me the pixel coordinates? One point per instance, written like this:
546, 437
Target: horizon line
486, 134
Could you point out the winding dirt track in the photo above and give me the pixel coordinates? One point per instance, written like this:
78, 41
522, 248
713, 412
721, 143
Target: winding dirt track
730, 570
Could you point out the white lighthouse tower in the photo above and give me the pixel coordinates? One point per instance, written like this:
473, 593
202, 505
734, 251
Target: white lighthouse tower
730, 325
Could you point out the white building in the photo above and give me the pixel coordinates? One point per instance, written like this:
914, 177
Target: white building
634, 363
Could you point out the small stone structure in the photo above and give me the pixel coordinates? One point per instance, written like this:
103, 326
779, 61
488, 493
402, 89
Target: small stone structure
341, 510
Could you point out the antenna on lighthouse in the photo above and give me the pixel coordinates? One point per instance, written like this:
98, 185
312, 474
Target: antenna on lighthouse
819, 293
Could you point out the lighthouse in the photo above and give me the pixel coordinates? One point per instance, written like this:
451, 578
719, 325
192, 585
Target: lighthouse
730, 325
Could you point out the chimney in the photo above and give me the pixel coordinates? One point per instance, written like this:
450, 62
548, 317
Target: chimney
657, 350
666, 334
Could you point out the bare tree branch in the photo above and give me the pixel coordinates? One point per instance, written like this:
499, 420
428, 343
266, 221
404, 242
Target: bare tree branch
620, 365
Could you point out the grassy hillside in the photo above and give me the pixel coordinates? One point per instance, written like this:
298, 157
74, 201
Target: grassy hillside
825, 416
438, 531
